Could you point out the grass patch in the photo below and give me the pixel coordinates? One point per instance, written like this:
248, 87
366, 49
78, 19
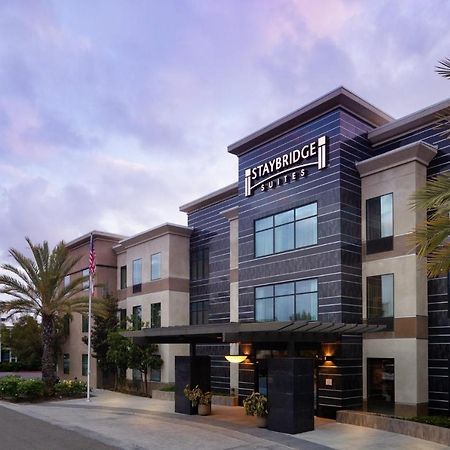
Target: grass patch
167, 389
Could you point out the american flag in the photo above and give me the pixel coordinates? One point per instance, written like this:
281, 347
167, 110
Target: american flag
92, 257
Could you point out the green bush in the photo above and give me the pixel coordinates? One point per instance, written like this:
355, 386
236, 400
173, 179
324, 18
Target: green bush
30, 389
439, 421
168, 389
8, 386
69, 388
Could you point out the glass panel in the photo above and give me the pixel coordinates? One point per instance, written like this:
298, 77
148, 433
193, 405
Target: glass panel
264, 310
374, 297
306, 211
306, 232
306, 306
123, 277
264, 291
284, 308
137, 317
284, 237
263, 224
85, 274
137, 271
306, 286
155, 267
387, 295
156, 315
84, 365
284, 217
264, 243
84, 324
380, 384
386, 216
66, 280
66, 363
284, 289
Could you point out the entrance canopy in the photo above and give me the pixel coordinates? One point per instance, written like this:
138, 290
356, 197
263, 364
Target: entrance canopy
297, 331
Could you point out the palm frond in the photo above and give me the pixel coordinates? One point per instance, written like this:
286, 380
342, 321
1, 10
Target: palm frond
443, 68
434, 196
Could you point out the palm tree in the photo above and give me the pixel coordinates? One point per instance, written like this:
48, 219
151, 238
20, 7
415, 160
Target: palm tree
432, 237
443, 68
35, 286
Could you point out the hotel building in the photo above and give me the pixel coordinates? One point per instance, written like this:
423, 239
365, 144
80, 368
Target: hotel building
308, 254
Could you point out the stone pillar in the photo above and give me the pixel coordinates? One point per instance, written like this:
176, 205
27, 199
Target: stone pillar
190, 371
291, 395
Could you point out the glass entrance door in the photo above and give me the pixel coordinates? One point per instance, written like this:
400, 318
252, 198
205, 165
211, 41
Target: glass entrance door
380, 385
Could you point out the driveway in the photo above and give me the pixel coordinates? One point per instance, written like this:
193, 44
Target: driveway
138, 423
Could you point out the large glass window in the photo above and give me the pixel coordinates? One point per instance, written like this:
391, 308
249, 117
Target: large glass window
85, 275
380, 223
137, 317
66, 363
122, 318
287, 230
380, 299
200, 264
137, 275
286, 301
155, 312
199, 313
380, 385
155, 266
84, 364
123, 277
155, 374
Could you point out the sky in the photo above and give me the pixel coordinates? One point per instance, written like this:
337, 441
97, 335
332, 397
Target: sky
113, 113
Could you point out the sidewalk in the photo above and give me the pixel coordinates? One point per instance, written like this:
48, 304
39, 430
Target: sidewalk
139, 423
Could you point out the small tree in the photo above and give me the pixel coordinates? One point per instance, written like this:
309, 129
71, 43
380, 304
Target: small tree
143, 358
117, 354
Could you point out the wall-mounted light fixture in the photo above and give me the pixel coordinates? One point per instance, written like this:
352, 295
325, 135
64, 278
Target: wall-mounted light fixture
327, 358
234, 356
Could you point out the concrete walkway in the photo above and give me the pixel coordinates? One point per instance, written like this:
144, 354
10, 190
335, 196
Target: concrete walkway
138, 423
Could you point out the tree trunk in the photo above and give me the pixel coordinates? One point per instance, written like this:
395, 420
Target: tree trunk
48, 354
145, 381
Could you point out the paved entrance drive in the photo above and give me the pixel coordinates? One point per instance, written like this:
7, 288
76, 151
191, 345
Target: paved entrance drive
137, 423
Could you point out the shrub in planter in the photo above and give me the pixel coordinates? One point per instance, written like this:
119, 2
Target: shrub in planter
8, 386
30, 389
70, 388
256, 405
197, 397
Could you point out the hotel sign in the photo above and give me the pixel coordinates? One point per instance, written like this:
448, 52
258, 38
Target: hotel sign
286, 168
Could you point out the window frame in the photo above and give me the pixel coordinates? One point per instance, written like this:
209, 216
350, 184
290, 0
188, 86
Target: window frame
382, 244
385, 320
275, 226
198, 312
295, 294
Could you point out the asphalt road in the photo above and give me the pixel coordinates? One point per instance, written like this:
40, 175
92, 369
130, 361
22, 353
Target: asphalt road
21, 432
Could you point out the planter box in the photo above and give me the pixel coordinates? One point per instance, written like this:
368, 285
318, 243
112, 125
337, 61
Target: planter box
163, 395
432, 433
225, 400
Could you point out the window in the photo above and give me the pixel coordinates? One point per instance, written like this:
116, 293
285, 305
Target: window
66, 363
137, 317
155, 266
123, 277
286, 301
84, 323
66, 325
380, 300
200, 264
380, 385
137, 275
136, 375
155, 374
123, 319
287, 230
155, 312
199, 313
84, 364
66, 280
85, 274
379, 224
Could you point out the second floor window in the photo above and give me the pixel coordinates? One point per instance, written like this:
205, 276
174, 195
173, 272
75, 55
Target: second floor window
66, 363
200, 263
85, 275
137, 275
123, 277
84, 323
155, 311
155, 266
380, 224
287, 301
137, 317
287, 230
199, 313
380, 299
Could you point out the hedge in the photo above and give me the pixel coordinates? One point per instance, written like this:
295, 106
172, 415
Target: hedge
16, 388
69, 388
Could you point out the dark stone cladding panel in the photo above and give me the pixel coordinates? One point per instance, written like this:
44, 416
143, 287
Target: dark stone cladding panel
336, 259
438, 300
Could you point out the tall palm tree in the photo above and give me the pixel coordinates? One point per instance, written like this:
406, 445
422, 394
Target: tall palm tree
432, 237
35, 286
